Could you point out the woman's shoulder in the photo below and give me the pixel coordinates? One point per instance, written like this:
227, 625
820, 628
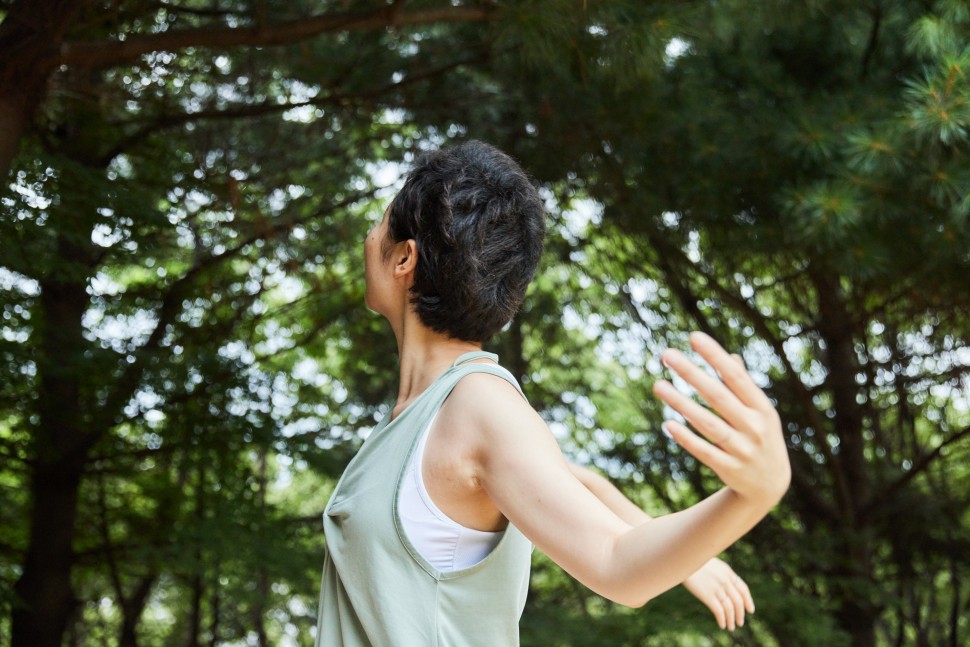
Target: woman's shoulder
490, 406
492, 385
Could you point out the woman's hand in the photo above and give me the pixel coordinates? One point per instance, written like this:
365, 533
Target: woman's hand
723, 592
508, 451
744, 445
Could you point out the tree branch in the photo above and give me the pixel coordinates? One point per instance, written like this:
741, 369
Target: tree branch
873, 41
244, 111
99, 54
675, 265
171, 306
919, 466
761, 326
175, 8
115, 577
952, 373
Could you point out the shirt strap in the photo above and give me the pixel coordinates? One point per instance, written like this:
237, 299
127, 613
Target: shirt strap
475, 354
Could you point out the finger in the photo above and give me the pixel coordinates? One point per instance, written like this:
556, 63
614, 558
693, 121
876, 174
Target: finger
738, 603
719, 613
714, 392
746, 595
714, 457
729, 615
713, 428
735, 376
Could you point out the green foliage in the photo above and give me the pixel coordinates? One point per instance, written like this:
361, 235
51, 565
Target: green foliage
789, 176
794, 182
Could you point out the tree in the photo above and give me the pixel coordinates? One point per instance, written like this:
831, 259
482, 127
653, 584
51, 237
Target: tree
184, 365
139, 198
794, 182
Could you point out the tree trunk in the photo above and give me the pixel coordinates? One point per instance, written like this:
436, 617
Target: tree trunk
216, 608
44, 589
62, 437
65, 433
132, 610
46, 598
955, 604
14, 112
262, 577
31, 30
852, 570
194, 638
195, 611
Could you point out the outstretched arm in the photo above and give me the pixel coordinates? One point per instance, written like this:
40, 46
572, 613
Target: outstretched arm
519, 465
715, 583
611, 497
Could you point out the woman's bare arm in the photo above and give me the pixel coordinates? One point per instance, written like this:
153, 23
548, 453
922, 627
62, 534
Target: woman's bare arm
610, 496
715, 583
523, 471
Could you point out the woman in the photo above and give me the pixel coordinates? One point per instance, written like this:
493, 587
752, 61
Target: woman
430, 529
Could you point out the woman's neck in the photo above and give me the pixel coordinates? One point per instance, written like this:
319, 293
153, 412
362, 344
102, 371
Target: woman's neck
425, 355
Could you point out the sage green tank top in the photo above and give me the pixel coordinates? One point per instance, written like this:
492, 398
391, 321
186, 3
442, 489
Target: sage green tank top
377, 590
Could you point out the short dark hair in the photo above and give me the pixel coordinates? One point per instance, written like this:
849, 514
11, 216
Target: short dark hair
478, 223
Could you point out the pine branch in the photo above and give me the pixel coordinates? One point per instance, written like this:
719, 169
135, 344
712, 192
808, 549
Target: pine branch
100, 54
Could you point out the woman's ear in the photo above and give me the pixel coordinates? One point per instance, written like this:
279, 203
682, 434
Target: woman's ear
405, 258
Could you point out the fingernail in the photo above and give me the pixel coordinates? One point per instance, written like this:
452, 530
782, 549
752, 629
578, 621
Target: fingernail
666, 429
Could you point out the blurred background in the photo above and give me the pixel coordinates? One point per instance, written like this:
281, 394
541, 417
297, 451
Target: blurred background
186, 364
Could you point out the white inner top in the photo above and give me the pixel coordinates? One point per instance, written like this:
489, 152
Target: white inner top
445, 543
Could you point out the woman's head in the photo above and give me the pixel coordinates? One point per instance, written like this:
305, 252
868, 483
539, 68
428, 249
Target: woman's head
478, 225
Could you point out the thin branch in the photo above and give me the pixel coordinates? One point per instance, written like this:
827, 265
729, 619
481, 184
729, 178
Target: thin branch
782, 279
953, 373
921, 465
100, 54
761, 326
105, 463
170, 308
272, 107
113, 572
798, 388
174, 8
237, 112
873, 40
675, 265
213, 378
